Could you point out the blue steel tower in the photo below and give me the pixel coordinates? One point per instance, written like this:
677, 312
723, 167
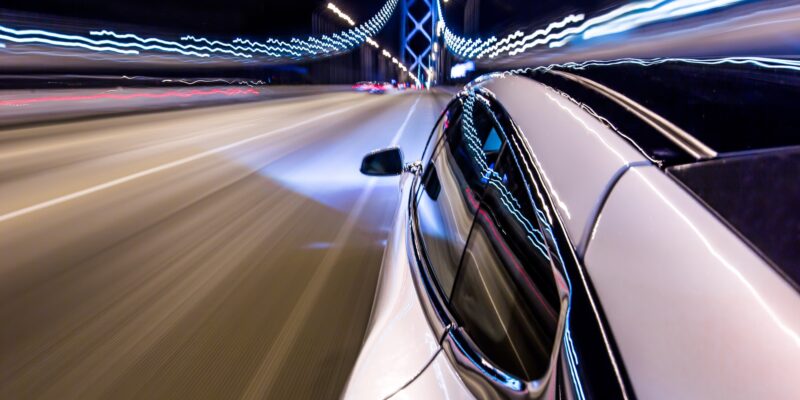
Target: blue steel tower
417, 29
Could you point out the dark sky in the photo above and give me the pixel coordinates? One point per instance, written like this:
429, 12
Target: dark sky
212, 17
271, 17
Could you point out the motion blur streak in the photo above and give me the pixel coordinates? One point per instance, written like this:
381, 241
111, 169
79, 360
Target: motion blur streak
275, 50
710, 27
218, 80
762, 62
162, 167
626, 17
182, 283
110, 96
281, 350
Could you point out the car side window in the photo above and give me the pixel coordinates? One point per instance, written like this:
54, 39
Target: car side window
452, 184
505, 297
449, 119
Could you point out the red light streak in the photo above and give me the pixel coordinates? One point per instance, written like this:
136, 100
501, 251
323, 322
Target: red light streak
116, 96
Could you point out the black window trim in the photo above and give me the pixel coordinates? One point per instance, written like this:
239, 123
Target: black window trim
671, 173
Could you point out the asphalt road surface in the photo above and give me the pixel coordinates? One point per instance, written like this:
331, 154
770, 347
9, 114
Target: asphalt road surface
219, 252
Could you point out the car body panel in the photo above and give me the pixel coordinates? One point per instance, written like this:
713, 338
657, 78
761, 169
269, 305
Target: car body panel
695, 312
579, 156
439, 381
399, 340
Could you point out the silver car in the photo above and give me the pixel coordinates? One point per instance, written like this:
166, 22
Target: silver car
603, 230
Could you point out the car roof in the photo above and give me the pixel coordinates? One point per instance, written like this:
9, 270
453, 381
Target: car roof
579, 155
742, 110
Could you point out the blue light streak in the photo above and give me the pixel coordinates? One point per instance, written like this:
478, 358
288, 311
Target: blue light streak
563, 31
540, 36
51, 42
762, 62
669, 10
238, 49
506, 197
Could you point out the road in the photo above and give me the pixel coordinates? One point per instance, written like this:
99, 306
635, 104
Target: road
218, 252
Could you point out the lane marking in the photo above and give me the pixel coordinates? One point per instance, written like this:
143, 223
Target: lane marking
396, 138
169, 165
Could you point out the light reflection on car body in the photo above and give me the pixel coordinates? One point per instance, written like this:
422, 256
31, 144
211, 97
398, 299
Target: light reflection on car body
596, 330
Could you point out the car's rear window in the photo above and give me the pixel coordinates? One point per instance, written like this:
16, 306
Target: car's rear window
728, 107
758, 195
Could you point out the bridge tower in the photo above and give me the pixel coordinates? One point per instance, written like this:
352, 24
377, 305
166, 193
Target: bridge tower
417, 29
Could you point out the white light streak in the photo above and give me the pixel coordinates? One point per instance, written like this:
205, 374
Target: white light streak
369, 40
341, 14
107, 41
559, 33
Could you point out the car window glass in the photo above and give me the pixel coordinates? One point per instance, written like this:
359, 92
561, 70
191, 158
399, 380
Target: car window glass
476, 149
452, 184
448, 121
505, 297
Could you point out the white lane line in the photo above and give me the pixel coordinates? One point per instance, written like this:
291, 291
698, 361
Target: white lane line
399, 133
163, 167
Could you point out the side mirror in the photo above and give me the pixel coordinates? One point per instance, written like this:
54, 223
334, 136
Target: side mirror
383, 162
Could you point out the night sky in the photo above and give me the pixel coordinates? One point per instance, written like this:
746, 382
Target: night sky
211, 17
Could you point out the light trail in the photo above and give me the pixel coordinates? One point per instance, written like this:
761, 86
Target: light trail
199, 47
173, 164
109, 96
60, 43
227, 81
374, 44
763, 62
341, 14
559, 33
